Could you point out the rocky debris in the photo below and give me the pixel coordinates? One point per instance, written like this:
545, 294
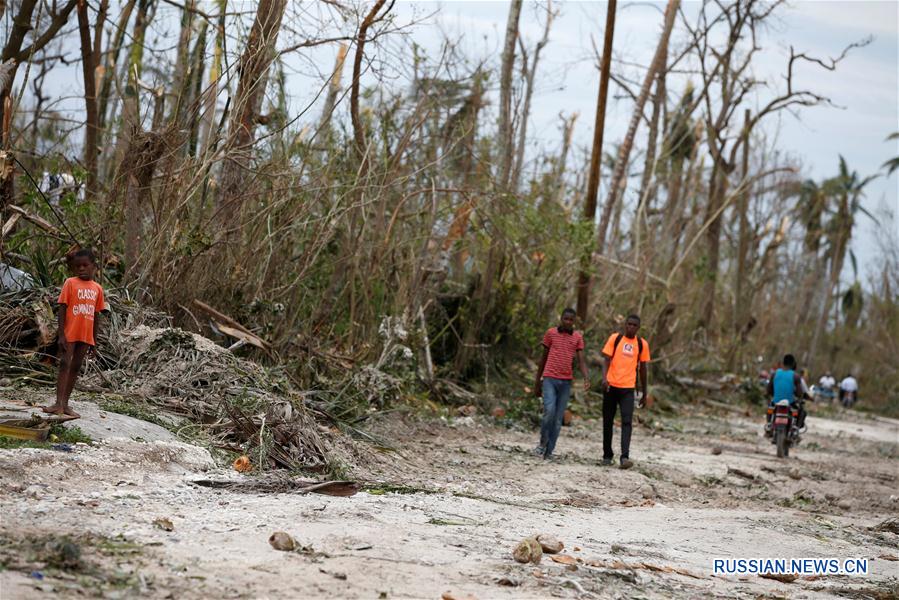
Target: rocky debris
528, 550
282, 541
648, 492
716, 450
890, 525
164, 524
550, 543
794, 474
844, 504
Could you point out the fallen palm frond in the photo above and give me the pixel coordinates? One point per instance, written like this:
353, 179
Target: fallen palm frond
279, 484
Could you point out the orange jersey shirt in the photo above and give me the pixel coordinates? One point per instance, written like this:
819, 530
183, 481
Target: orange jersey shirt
83, 300
623, 369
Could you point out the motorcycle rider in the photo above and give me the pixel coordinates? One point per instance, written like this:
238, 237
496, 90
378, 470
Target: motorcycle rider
849, 384
787, 384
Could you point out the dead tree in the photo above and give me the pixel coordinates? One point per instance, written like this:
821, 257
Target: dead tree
584, 279
619, 176
91, 123
254, 65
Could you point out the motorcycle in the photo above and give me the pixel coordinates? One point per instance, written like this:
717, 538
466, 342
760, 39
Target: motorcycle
849, 399
783, 426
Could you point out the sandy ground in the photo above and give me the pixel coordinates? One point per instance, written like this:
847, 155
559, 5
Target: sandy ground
481, 493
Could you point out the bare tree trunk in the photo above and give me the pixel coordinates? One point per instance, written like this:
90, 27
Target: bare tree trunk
742, 304
559, 171
358, 128
181, 80
198, 64
530, 75
91, 128
584, 279
717, 190
647, 188
504, 128
324, 123
619, 176
254, 64
743, 300
130, 129
212, 88
109, 70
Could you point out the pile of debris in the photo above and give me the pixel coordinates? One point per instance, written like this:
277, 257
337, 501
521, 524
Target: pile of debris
245, 407
240, 405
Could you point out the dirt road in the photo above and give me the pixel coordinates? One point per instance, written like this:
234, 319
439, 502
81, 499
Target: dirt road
463, 493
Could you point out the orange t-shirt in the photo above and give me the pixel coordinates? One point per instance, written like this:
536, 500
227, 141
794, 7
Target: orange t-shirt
623, 369
82, 299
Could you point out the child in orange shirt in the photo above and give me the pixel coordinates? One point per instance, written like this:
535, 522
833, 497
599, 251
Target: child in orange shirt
80, 304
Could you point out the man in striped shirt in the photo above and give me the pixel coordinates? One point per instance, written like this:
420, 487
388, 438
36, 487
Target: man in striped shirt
560, 344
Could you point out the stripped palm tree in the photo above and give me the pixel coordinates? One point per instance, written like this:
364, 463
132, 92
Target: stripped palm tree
847, 191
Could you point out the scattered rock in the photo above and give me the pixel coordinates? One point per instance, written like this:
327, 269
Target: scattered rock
242, 464
648, 492
563, 559
844, 504
891, 557
499, 412
550, 544
567, 417
716, 450
281, 540
164, 524
618, 549
508, 582
794, 474
830, 497
528, 550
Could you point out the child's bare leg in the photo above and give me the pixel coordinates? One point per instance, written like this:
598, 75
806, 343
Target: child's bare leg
78, 355
62, 378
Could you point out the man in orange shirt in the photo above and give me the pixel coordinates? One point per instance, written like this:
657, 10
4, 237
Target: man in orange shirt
623, 355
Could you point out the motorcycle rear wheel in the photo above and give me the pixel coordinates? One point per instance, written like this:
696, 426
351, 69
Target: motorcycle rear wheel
783, 445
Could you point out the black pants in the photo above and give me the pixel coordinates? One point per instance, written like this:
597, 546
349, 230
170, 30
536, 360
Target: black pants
611, 398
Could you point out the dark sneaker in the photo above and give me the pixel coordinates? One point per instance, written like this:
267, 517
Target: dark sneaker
550, 458
606, 462
626, 463
538, 451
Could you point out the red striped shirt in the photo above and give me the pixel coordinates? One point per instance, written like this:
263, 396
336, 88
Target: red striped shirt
562, 348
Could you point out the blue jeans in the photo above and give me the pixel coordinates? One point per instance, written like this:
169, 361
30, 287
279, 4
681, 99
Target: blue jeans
555, 400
